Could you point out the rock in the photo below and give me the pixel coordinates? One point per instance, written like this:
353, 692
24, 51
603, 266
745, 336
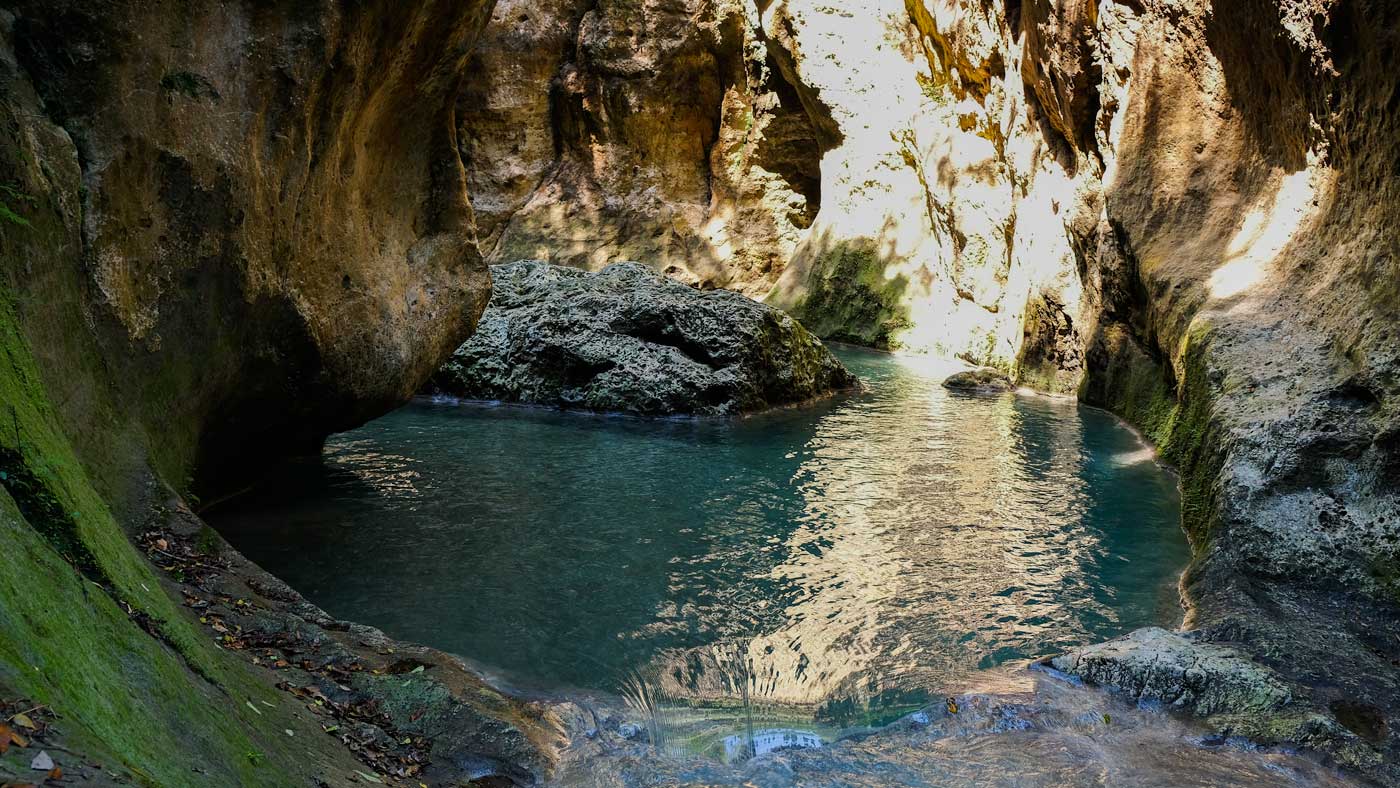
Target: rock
220, 241
282, 269
629, 340
1154, 664
711, 173
982, 380
630, 730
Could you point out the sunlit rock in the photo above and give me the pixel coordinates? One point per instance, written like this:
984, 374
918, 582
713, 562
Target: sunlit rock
1154, 664
982, 379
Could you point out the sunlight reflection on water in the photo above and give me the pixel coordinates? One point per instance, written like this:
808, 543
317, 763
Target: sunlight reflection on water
812, 570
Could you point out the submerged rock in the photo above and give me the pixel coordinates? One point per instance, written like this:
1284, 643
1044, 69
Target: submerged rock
628, 340
982, 379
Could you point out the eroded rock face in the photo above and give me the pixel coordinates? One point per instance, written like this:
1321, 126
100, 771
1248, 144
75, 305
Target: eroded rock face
272, 238
228, 229
631, 341
1182, 211
635, 129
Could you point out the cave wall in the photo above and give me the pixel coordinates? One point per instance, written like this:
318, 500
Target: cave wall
1245, 317
272, 236
227, 230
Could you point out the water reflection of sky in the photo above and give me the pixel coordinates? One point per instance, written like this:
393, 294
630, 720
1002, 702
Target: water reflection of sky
863, 554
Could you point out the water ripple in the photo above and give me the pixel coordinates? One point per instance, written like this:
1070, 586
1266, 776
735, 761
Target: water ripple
812, 570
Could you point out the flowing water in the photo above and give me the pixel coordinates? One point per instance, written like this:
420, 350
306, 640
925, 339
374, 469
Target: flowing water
745, 585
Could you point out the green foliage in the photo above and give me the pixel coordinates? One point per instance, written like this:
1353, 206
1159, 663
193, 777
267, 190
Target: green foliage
10, 193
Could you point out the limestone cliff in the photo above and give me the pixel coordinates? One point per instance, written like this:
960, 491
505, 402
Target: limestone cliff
1182, 210
627, 129
272, 219
227, 230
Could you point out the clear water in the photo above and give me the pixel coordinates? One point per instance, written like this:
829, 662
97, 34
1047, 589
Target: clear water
801, 573
1021, 729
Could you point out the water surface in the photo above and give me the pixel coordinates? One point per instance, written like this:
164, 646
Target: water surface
833, 566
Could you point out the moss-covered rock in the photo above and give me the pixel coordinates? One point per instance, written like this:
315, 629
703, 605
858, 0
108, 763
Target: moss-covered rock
176, 286
848, 298
1154, 664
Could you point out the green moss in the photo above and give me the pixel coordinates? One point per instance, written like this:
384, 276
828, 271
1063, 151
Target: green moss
1385, 572
849, 298
87, 628
11, 195
1177, 418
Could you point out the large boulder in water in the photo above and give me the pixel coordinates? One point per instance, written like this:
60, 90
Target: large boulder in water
626, 339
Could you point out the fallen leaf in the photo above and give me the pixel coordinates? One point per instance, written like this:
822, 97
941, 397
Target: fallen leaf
4, 740
23, 721
57, 773
369, 778
250, 705
18, 740
161, 544
42, 762
952, 706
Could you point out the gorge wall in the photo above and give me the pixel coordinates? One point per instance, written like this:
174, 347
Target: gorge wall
227, 230
1181, 210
